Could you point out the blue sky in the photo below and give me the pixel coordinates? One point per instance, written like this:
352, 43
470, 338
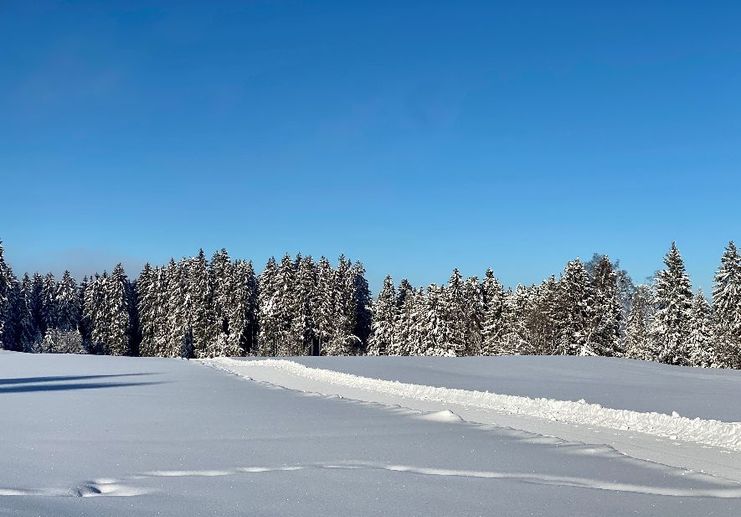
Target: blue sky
414, 136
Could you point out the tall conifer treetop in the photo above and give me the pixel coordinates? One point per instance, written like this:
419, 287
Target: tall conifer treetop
673, 297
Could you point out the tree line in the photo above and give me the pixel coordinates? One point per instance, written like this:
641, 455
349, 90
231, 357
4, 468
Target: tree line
197, 307
191, 308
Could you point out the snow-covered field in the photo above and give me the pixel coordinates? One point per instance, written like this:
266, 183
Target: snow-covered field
89, 435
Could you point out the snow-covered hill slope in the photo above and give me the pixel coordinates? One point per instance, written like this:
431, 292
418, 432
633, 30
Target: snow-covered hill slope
615, 383
85, 435
442, 384
701, 431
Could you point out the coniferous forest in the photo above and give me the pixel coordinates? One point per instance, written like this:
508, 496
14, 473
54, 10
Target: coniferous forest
196, 307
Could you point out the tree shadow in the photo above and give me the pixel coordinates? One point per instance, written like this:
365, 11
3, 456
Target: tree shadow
72, 386
62, 378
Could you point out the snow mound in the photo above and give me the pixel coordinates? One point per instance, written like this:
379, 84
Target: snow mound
441, 416
108, 488
674, 427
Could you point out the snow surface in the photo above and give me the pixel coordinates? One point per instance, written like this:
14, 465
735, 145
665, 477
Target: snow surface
91, 435
673, 426
665, 386
643, 386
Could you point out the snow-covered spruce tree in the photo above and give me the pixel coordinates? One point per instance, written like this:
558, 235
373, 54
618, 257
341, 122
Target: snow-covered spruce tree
36, 306
638, 342
12, 308
49, 302
107, 310
625, 291
518, 305
116, 313
417, 336
437, 335
235, 306
5, 286
14, 332
201, 306
624, 283
428, 334
405, 321
242, 310
251, 283
363, 304
492, 324
323, 305
93, 313
24, 332
10, 299
68, 303
540, 313
283, 305
575, 311
220, 285
134, 318
473, 308
176, 339
179, 321
405, 289
519, 311
187, 340
442, 320
63, 334
147, 308
342, 312
27, 332
341, 308
384, 316
452, 304
347, 302
181, 342
220, 279
673, 297
607, 310
418, 342
84, 325
529, 317
727, 307
700, 342
268, 315
301, 332
159, 313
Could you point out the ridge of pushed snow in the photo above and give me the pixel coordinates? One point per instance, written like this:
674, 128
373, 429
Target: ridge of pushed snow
714, 433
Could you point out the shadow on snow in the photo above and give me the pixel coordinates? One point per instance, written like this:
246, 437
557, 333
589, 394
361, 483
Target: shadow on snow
63, 378
59, 383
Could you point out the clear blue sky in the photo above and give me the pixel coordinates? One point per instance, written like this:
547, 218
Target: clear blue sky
415, 136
